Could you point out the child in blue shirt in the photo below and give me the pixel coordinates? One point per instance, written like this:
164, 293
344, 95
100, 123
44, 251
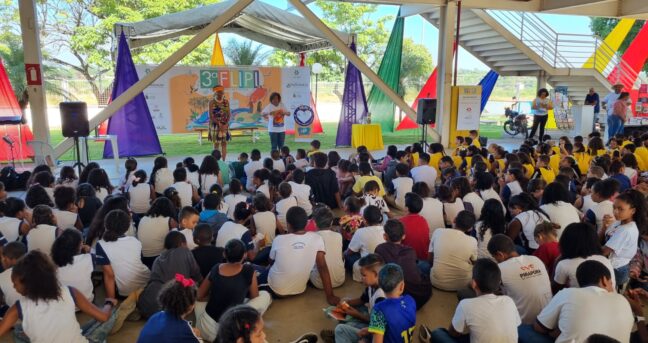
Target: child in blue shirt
169, 325
393, 319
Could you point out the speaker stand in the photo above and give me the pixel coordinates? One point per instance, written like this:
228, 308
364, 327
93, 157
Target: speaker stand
78, 163
423, 141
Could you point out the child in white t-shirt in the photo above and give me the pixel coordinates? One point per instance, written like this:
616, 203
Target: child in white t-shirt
372, 197
402, 184
140, 193
292, 258
186, 191
365, 240
130, 165
42, 236
622, 235
75, 266
264, 220
287, 201
277, 162
300, 159
66, 209
333, 245
486, 318
301, 191
432, 208
188, 219
602, 194
11, 253
234, 197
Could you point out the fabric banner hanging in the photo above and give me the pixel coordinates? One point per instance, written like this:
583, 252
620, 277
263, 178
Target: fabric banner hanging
380, 106
11, 113
634, 57
604, 53
354, 103
487, 83
132, 124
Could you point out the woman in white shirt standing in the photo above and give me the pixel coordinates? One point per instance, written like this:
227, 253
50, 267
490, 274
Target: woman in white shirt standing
540, 108
74, 266
209, 174
275, 113
140, 193
555, 203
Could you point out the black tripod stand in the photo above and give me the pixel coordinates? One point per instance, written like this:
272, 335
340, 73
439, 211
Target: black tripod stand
10, 142
79, 165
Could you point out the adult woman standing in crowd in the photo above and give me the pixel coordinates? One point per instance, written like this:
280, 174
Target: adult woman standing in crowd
541, 106
275, 113
219, 118
617, 120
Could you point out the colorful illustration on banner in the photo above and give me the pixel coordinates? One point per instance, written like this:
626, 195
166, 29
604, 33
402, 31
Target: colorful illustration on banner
183, 95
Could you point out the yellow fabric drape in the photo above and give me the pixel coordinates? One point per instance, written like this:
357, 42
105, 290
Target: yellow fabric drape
604, 53
217, 58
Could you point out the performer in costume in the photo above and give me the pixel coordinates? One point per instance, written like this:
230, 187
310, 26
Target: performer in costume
219, 119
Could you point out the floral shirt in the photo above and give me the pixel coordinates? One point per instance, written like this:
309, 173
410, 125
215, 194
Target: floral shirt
219, 112
350, 224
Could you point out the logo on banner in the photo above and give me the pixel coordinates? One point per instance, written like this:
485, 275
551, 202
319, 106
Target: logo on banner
304, 115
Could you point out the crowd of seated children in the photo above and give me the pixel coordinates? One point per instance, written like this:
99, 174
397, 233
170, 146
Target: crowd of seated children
536, 233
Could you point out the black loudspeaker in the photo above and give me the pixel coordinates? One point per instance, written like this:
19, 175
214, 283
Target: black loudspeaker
74, 119
426, 111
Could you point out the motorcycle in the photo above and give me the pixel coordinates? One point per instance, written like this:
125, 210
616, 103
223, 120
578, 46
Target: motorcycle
515, 123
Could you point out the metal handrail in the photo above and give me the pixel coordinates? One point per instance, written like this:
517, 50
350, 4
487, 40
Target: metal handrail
564, 50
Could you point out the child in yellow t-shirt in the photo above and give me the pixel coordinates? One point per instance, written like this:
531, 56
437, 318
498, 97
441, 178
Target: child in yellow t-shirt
365, 176
315, 147
543, 170
474, 135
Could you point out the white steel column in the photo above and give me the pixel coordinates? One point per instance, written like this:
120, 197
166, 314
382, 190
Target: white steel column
32, 55
444, 70
139, 87
359, 63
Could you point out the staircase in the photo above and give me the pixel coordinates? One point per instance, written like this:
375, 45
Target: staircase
521, 44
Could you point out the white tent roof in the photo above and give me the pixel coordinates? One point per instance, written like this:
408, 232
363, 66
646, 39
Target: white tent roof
260, 22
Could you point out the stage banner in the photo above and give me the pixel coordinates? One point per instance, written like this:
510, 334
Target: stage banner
304, 117
469, 108
179, 99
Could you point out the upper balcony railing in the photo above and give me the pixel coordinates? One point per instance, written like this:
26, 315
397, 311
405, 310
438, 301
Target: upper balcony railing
562, 50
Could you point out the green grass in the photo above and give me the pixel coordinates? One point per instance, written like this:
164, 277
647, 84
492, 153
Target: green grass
187, 144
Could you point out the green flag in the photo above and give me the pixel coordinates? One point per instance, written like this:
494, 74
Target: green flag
380, 106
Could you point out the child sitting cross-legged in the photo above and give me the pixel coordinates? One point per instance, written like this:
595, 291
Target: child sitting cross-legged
333, 244
42, 236
205, 253
486, 318
364, 241
188, 219
354, 330
227, 285
393, 319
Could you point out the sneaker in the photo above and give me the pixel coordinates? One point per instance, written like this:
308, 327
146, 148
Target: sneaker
328, 336
306, 338
425, 334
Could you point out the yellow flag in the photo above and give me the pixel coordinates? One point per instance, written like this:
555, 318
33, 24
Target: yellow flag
217, 58
601, 58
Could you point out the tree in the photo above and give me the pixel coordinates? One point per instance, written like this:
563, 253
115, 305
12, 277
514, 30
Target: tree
78, 34
603, 26
244, 53
372, 36
416, 63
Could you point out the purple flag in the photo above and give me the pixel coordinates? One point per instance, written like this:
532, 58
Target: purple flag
132, 123
354, 103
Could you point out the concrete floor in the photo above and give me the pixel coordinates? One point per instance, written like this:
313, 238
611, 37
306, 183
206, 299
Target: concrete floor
289, 318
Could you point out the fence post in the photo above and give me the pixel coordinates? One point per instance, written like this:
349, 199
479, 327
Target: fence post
595, 52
